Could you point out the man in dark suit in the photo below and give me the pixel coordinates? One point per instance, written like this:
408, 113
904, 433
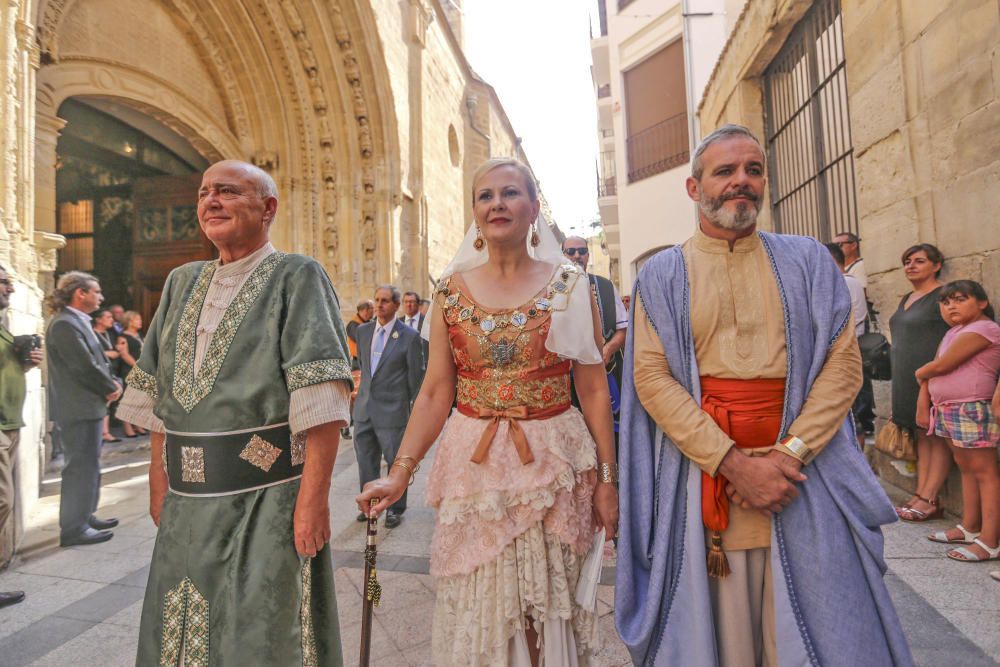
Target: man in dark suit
413, 318
80, 388
391, 371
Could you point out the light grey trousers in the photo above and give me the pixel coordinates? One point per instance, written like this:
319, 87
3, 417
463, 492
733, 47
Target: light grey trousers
743, 607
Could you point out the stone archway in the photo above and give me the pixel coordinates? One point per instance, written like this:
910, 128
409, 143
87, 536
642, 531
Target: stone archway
299, 87
171, 107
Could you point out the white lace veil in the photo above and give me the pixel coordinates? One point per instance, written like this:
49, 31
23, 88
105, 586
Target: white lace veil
571, 335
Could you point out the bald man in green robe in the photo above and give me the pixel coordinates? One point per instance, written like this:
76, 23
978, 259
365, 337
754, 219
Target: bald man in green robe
244, 381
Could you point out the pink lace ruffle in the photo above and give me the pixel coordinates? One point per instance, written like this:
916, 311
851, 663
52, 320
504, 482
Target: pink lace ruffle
482, 508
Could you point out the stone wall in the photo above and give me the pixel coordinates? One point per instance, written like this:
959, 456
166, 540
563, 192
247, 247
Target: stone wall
924, 86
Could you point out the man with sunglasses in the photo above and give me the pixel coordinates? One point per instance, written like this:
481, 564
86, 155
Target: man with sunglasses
850, 245
614, 319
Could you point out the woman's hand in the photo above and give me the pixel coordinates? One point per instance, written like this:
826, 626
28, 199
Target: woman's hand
606, 508
386, 490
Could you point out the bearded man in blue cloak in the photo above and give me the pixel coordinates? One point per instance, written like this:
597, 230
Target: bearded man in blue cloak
750, 521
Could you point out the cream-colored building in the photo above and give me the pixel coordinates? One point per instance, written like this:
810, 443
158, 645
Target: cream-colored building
366, 113
878, 117
651, 59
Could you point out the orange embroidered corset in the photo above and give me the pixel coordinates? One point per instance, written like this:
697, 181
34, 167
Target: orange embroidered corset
500, 355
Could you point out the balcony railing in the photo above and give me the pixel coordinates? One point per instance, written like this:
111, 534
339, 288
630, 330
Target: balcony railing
604, 91
658, 148
607, 181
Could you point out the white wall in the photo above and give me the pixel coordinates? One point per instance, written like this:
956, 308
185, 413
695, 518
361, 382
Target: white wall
656, 211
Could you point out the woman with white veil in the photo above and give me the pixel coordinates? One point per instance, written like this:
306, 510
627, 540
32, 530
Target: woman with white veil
521, 480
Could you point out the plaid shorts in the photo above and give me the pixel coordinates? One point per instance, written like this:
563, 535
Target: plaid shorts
968, 425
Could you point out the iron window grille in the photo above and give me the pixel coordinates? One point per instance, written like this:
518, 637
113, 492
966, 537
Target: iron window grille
807, 129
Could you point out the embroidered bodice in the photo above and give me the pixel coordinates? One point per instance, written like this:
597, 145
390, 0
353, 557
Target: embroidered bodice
500, 354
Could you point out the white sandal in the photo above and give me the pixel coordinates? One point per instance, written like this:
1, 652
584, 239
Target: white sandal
969, 557
942, 536
995, 574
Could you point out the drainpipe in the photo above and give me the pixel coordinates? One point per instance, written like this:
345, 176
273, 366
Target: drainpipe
471, 101
693, 126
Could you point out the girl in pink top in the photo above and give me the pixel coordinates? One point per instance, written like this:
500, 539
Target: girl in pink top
956, 401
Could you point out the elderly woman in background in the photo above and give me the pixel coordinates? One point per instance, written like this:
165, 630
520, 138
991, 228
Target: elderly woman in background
129, 346
917, 329
521, 480
103, 323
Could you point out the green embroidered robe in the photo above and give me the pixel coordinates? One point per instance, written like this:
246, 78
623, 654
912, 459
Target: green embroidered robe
226, 586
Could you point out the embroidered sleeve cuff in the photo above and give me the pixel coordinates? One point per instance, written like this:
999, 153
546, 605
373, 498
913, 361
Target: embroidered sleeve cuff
319, 404
142, 381
317, 372
136, 407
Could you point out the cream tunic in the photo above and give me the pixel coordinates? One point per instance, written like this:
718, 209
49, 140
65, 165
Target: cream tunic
737, 321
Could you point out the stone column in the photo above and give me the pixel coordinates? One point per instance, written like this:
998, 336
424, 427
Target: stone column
47, 128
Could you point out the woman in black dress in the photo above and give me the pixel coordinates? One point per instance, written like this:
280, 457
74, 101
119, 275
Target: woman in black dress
130, 348
103, 322
917, 328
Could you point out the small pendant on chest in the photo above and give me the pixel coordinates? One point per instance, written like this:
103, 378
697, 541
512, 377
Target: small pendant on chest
502, 351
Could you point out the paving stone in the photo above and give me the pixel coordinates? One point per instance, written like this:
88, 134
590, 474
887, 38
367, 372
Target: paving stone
44, 596
128, 617
78, 563
31, 643
106, 645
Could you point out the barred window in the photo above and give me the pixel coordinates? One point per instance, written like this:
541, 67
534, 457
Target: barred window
808, 133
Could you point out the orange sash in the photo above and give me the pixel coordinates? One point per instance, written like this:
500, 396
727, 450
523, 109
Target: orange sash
749, 412
511, 415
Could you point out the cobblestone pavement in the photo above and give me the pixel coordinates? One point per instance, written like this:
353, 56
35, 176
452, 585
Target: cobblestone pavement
84, 603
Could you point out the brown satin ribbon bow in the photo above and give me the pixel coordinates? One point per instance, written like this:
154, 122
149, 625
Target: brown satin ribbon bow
512, 415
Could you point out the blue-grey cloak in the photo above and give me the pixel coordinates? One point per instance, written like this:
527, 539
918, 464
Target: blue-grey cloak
831, 605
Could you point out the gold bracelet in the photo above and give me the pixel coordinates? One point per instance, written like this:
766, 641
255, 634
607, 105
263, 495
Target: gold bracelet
416, 463
407, 468
608, 473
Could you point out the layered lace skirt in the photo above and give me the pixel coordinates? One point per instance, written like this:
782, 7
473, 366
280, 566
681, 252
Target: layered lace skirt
509, 543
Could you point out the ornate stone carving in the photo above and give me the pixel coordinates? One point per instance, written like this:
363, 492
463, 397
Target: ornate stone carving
49, 27
320, 104
421, 17
220, 59
266, 160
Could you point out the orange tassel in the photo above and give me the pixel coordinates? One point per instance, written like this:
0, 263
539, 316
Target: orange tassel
718, 565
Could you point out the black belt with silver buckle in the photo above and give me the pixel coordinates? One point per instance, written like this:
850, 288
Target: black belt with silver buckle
214, 464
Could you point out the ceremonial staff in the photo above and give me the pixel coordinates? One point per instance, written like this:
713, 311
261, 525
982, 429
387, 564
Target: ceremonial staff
372, 590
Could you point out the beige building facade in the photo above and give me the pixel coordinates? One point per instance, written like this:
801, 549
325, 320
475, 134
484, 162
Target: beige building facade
651, 59
367, 115
896, 105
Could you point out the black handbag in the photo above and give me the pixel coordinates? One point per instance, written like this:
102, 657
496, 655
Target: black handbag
876, 361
